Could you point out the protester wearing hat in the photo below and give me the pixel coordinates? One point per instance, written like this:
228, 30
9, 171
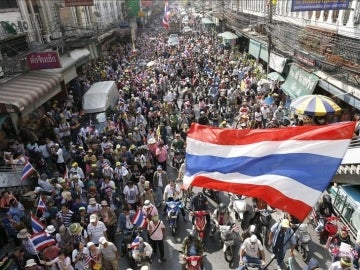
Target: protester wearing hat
142, 249
149, 210
110, 254
250, 250
96, 229
95, 255
148, 193
78, 233
24, 236
160, 180
63, 239
108, 216
93, 207
281, 238
334, 243
77, 170
343, 264
32, 265
81, 217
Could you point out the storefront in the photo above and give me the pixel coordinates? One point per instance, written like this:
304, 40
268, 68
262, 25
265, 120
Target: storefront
299, 82
67, 70
25, 93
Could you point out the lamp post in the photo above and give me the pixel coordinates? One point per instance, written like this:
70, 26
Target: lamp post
270, 3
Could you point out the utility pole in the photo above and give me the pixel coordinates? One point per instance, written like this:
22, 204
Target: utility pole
269, 35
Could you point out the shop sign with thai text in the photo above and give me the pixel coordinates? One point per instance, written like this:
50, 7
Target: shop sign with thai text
43, 60
309, 5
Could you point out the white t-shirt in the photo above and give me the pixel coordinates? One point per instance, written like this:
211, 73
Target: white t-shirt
173, 192
60, 156
131, 193
95, 232
108, 253
252, 249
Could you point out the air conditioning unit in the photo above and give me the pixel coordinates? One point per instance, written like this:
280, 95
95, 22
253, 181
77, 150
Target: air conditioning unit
22, 26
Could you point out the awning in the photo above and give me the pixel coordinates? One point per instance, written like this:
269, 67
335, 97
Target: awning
343, 91
207, 21
254, 48
67, 70
299, 82
29, 91
81, 56
264, 55
277, 62
105, 35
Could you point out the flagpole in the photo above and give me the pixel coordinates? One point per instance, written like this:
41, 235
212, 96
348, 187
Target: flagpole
37, 253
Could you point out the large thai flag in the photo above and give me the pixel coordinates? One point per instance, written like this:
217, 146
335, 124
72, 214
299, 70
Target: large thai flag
36, 224
166, 15
139, 220
27, 171
42, 240
289, 168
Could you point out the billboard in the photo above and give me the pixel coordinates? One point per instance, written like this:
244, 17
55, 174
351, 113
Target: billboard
43, 60
309, 5
76, 3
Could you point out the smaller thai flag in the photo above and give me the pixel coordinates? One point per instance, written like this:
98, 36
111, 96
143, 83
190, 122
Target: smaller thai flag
136, 242
36, 225
27, 171
66, 174
87, 259
139, 220
41, 206
42, 240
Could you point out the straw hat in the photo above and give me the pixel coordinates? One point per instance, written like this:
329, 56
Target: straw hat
75, 228
23, 234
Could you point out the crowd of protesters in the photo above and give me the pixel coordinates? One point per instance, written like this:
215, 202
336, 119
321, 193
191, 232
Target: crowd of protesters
87, 181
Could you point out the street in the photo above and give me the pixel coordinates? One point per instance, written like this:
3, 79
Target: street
214, 254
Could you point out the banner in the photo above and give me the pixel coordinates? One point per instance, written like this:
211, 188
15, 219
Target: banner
43, 60
146, 3
76, 3
309, 5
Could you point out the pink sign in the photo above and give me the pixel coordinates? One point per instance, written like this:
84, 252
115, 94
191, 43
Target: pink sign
43, 60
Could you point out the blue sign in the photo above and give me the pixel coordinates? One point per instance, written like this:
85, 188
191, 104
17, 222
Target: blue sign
309, 5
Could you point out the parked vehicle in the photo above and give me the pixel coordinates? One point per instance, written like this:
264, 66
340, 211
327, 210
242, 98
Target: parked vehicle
239, 206
302, 241
227, 236
173, 211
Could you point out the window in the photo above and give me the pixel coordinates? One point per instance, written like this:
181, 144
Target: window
8, 4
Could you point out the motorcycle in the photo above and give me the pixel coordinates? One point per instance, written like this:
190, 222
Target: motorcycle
302, 241
191, 262
200, 223
213, 194
142, 259
227, 237
239, 207
126, 245
173, 209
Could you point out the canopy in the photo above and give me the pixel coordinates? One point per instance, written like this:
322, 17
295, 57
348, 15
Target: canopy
228, 35
275, 76
207, 21
315, 105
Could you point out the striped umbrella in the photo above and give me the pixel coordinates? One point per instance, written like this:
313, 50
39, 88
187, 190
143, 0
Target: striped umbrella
314, 105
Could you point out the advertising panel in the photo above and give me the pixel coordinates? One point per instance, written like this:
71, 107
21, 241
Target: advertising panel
43, 60
309, 5
76, 3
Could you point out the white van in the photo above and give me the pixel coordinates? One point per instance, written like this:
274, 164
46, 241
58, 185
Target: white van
97, 100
